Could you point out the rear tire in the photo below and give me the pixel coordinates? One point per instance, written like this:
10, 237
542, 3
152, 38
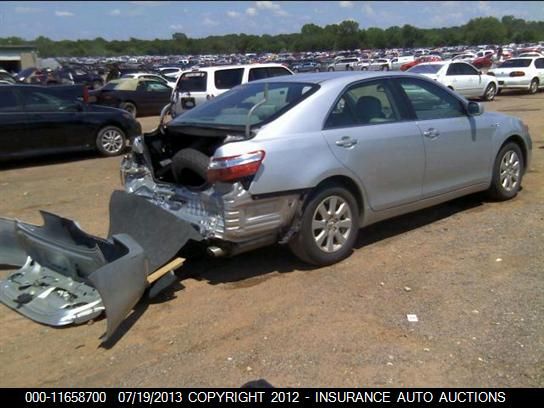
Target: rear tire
111, 141
130, 108
533, 88
507, 173
329, 227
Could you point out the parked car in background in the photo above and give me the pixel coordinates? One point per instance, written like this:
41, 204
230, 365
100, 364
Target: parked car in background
80, 76
171, 72
483, 62
466, 57
171, 82
363, 65
420, 60
6, 78
380, 64
138, 96
306, 66
37, 76
200, 85
530, 54
36, 120
375, 145
397, 62
461, 77
343, 64
520, 73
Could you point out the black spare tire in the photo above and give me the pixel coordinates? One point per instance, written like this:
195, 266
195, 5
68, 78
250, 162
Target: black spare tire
190, 167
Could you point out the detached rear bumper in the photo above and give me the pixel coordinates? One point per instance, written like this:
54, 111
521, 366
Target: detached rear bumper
68, 276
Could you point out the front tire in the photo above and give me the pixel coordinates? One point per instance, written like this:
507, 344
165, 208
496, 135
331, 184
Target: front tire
328, 228
507, 173
490, 92
111, 141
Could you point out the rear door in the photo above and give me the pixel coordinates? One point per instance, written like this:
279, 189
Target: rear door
457, 146
13, 122
369, 133
157, 95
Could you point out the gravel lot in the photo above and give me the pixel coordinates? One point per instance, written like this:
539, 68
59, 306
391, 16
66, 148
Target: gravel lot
471, 270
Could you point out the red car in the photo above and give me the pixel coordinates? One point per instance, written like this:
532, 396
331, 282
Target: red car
483, 62
425, 58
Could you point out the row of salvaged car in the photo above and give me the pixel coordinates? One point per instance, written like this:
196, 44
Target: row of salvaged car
27, 112
304, 160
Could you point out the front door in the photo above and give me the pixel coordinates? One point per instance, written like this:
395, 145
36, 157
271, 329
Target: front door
13, 122
457, 146
367, 132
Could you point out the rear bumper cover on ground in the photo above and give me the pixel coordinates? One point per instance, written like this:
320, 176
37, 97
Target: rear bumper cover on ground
68, 276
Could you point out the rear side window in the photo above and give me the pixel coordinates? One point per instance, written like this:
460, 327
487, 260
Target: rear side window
228, 78
8, 101
43, 101
279, 71
257, 73
193, 82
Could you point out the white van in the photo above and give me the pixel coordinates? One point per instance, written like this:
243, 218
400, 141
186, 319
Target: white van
201, 84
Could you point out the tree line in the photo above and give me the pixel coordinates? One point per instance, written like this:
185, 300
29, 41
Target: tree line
346, 35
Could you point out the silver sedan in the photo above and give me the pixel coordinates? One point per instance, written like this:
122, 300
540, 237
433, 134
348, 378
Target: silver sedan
309, 159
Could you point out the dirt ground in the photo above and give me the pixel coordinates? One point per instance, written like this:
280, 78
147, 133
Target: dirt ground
471, 270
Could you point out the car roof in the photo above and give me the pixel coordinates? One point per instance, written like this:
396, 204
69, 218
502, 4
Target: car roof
337, 77
220, 67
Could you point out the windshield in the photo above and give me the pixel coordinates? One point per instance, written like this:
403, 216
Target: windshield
426, 69
516, 63
25, 72
232, 107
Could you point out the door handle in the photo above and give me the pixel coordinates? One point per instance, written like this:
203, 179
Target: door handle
431, 133
346, 142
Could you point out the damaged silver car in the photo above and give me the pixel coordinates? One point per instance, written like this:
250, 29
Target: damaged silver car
305, 160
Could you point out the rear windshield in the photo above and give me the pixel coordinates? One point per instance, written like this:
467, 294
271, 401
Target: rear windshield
426, 69
232, 108
516, 63
193, 82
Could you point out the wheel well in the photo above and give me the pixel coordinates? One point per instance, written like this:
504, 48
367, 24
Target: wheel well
347, 183
519, 141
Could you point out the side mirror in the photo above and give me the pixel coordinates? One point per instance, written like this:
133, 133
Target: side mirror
475, 108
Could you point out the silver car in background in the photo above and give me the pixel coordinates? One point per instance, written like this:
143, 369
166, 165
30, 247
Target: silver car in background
309, 159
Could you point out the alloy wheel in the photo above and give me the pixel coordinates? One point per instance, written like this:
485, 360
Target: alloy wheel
112, 141
510, 171
332, 224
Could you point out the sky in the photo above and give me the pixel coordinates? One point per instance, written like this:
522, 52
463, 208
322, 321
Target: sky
121, 20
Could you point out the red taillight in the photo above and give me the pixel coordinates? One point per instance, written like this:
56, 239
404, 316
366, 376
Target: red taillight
235, 167
517, 73
85, 94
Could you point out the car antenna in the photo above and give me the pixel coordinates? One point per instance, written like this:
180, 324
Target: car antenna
254, 107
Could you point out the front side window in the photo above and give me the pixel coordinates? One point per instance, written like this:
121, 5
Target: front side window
364, 104
40, 101
539, 63
430, 101
154, 86
280, 71
228, 78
